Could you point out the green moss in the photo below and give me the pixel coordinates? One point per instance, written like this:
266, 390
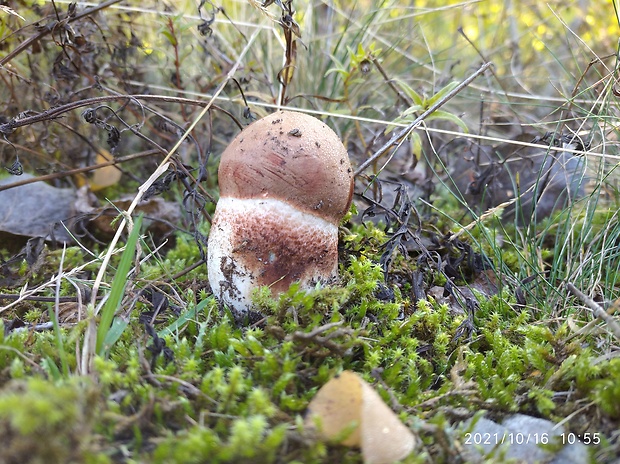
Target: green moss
606, 390
236, 394
43, 422
33, 316
250, 440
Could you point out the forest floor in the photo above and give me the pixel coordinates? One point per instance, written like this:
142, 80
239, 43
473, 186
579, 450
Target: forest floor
478, 265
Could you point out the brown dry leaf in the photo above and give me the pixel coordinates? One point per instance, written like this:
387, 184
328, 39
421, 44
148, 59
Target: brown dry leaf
70, 312
348, 401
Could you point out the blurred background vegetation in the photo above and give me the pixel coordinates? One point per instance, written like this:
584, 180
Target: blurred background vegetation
546, 57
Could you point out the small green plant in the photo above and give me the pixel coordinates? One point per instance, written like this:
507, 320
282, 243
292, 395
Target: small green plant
418, 104
109, 331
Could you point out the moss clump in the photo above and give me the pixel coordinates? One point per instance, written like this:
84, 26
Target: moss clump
250, 440
43, 422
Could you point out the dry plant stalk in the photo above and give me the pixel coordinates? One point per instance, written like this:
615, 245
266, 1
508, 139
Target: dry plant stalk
597, 309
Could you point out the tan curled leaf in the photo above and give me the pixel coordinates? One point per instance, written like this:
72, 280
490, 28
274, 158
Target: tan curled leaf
347, 410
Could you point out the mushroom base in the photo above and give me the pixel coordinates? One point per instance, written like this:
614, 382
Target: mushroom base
257, 242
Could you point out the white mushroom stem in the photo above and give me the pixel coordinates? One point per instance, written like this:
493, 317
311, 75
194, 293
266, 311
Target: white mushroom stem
255, 242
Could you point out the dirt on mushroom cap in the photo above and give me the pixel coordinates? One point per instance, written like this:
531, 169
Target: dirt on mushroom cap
292, 157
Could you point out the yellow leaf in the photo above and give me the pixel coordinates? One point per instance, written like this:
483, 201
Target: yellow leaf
106, 175
349, 411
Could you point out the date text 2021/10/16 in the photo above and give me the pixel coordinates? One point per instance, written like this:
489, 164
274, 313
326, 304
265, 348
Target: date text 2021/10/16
518, 438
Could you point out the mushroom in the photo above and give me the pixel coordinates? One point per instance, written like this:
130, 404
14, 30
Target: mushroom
285, 184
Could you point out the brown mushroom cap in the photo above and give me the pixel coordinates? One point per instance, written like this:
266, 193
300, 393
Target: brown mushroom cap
291, 157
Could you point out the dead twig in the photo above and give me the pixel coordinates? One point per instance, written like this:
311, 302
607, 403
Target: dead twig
50, 28
57, 111
71, 172
314, 336
597, 309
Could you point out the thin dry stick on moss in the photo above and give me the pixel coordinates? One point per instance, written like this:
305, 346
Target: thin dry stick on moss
597, 309
44, 299
407, 130
56, 316
324, 341
28, 294
576, 413
33, 365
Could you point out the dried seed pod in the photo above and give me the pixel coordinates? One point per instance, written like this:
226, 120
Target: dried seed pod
285, 184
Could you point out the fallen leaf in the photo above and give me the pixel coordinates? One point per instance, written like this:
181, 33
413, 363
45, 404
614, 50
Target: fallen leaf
347, 410
106, 175
338, 406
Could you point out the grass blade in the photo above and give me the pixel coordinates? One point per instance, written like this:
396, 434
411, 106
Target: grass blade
118, 287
